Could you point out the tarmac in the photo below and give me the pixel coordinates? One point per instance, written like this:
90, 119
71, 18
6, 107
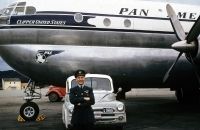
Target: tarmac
147, 109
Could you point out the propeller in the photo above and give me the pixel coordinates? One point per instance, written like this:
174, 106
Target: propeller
168, 72
186, 44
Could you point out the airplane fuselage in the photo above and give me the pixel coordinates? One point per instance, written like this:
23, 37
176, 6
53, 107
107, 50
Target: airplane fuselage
130, 41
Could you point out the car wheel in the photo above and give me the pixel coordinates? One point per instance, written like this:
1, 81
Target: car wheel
53, 97
29, 111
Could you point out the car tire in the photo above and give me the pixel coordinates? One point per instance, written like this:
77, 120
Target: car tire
53, 97
29, 111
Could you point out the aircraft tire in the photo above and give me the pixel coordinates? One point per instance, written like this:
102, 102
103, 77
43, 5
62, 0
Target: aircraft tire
53, 97
29, 111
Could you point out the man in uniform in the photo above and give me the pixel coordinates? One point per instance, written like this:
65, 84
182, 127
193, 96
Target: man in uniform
82, 97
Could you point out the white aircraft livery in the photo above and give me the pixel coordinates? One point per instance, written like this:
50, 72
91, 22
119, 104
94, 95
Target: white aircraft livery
133, 41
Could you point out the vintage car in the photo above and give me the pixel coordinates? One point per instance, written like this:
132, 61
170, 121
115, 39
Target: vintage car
107, 110
56, 93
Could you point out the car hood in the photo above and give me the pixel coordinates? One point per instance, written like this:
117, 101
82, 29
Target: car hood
104, 96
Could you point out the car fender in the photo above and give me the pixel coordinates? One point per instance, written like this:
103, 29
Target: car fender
57, 91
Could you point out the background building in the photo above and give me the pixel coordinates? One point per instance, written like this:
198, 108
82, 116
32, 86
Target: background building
13, 77
11, 83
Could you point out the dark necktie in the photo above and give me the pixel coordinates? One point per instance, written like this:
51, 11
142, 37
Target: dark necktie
81, 86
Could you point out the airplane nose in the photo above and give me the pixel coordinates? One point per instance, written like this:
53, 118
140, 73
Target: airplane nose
23, 58
12, 55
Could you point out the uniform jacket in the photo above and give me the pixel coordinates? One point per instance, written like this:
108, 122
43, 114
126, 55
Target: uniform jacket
82, 113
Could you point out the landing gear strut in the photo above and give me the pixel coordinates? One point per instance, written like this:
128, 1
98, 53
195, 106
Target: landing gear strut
29, 111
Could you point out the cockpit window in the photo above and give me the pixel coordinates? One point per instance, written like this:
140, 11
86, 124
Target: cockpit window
8, 11
18, 11
30, 10
21, 4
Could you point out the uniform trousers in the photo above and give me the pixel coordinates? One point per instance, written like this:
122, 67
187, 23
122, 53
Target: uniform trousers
83, 127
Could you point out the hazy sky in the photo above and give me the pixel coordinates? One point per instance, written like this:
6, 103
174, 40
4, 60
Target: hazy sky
3, 65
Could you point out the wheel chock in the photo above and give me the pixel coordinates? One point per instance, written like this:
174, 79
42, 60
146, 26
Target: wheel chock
20, 119
40, 117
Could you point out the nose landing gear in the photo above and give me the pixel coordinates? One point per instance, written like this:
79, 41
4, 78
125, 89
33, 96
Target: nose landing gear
29, 111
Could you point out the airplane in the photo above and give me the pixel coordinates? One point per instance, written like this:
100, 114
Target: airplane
131, 40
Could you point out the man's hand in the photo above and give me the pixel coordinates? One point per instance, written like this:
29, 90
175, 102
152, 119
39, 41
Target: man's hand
86, 98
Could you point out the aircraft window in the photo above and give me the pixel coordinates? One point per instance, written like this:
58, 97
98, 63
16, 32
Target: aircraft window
106, 22
21, 4
8, 11
78, 17
19, 11
127, 23
30, 10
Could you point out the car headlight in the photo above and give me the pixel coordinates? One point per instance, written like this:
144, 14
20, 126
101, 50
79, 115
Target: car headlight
120, 107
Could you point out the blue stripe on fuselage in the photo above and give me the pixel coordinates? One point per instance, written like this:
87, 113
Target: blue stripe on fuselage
63, 20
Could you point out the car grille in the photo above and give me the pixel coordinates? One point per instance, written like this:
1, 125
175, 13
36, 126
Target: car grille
104, 115
107, 114
103, 120
104, 110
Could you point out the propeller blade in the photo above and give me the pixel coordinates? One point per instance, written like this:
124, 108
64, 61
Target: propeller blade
194, 31
168, 72
178, 29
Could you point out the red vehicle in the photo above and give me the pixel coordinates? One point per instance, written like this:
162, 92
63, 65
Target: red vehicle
56, 93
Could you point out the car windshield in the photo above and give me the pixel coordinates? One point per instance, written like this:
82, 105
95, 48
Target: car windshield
96, 83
